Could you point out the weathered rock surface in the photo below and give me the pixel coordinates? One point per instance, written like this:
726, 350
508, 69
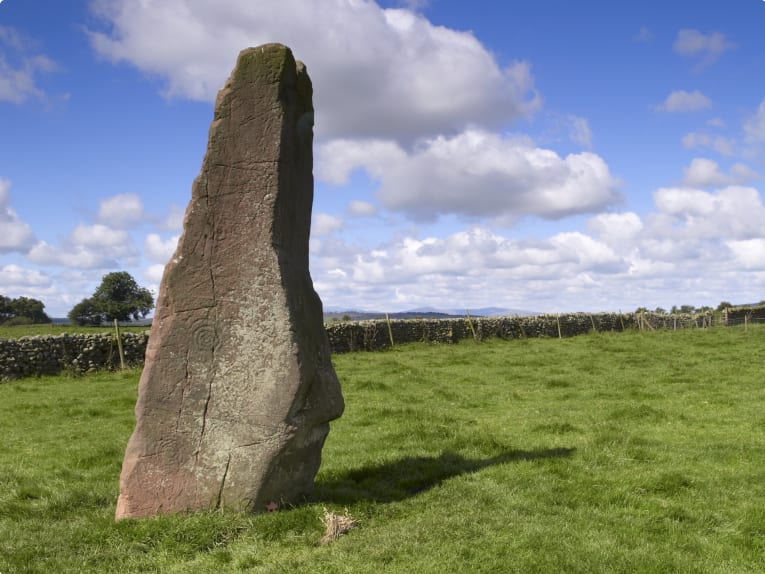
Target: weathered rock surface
238, 387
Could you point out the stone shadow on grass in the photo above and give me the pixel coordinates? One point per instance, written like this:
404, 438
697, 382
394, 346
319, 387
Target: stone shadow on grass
409, 476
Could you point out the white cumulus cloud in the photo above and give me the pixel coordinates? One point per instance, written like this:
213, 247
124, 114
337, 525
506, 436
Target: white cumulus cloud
704, 172
324, 224
750, 253
78, 257
695, 246
18, 77
755, 125
100, 236
15, 278
616, 228
464, 268
121, 211
477, 174
733, 212
683, 101
579, 131
153, 273
376, 72
87, 247
158, 250
15, 234
720, 144
174, 219
358, 208
707, 48
337, 159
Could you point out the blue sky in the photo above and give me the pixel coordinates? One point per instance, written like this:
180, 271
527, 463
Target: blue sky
549, 156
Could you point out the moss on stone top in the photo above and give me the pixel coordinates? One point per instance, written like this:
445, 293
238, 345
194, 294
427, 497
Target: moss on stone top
270, 63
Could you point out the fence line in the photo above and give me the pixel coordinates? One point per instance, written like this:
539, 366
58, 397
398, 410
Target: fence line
34, 356
365, 335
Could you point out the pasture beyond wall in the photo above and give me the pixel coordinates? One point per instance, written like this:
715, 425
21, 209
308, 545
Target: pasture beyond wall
78, 353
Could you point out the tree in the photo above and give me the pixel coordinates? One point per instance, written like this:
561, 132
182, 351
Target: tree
117, 297
32, 309
22, 310
5, 309
724, 305
85, 313
687, 309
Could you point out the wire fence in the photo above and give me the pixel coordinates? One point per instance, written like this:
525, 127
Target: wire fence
34, 356
653, 321
377, 334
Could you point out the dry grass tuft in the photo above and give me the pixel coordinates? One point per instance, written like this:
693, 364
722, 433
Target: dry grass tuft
336, 525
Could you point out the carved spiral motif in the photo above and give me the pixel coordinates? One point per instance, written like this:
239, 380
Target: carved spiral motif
203, 336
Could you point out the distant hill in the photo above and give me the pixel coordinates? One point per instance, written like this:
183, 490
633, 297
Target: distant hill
494, 312
422, 313
370, 315
140, 323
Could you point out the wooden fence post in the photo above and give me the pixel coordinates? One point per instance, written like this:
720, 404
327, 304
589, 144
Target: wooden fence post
560, 335
390, 330
119, 344
470, 323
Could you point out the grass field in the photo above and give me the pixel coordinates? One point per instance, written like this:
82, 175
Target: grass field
602, 453
18, 331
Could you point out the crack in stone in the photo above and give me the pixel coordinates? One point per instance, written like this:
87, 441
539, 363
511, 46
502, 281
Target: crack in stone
183, 390
211, 376
223, 482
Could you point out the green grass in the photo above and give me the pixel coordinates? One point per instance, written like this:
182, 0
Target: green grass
18, 331
602, 453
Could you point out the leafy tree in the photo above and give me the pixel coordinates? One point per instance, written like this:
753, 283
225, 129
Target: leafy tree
687, 309
724, 305
5, 309
117, 297
31, 309
22, 311
85, 313
120, 297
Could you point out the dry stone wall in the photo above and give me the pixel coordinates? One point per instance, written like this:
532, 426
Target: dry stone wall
744, 315
374, 335
35, 356
76, 353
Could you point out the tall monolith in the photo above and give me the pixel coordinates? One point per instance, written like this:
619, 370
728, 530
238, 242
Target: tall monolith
238, 389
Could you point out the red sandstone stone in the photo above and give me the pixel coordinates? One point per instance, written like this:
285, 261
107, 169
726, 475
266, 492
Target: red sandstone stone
238, 387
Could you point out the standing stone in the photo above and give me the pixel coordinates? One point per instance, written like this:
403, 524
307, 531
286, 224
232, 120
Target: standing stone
238, 389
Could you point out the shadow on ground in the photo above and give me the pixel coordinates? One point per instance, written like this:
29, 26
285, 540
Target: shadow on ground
409, 476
